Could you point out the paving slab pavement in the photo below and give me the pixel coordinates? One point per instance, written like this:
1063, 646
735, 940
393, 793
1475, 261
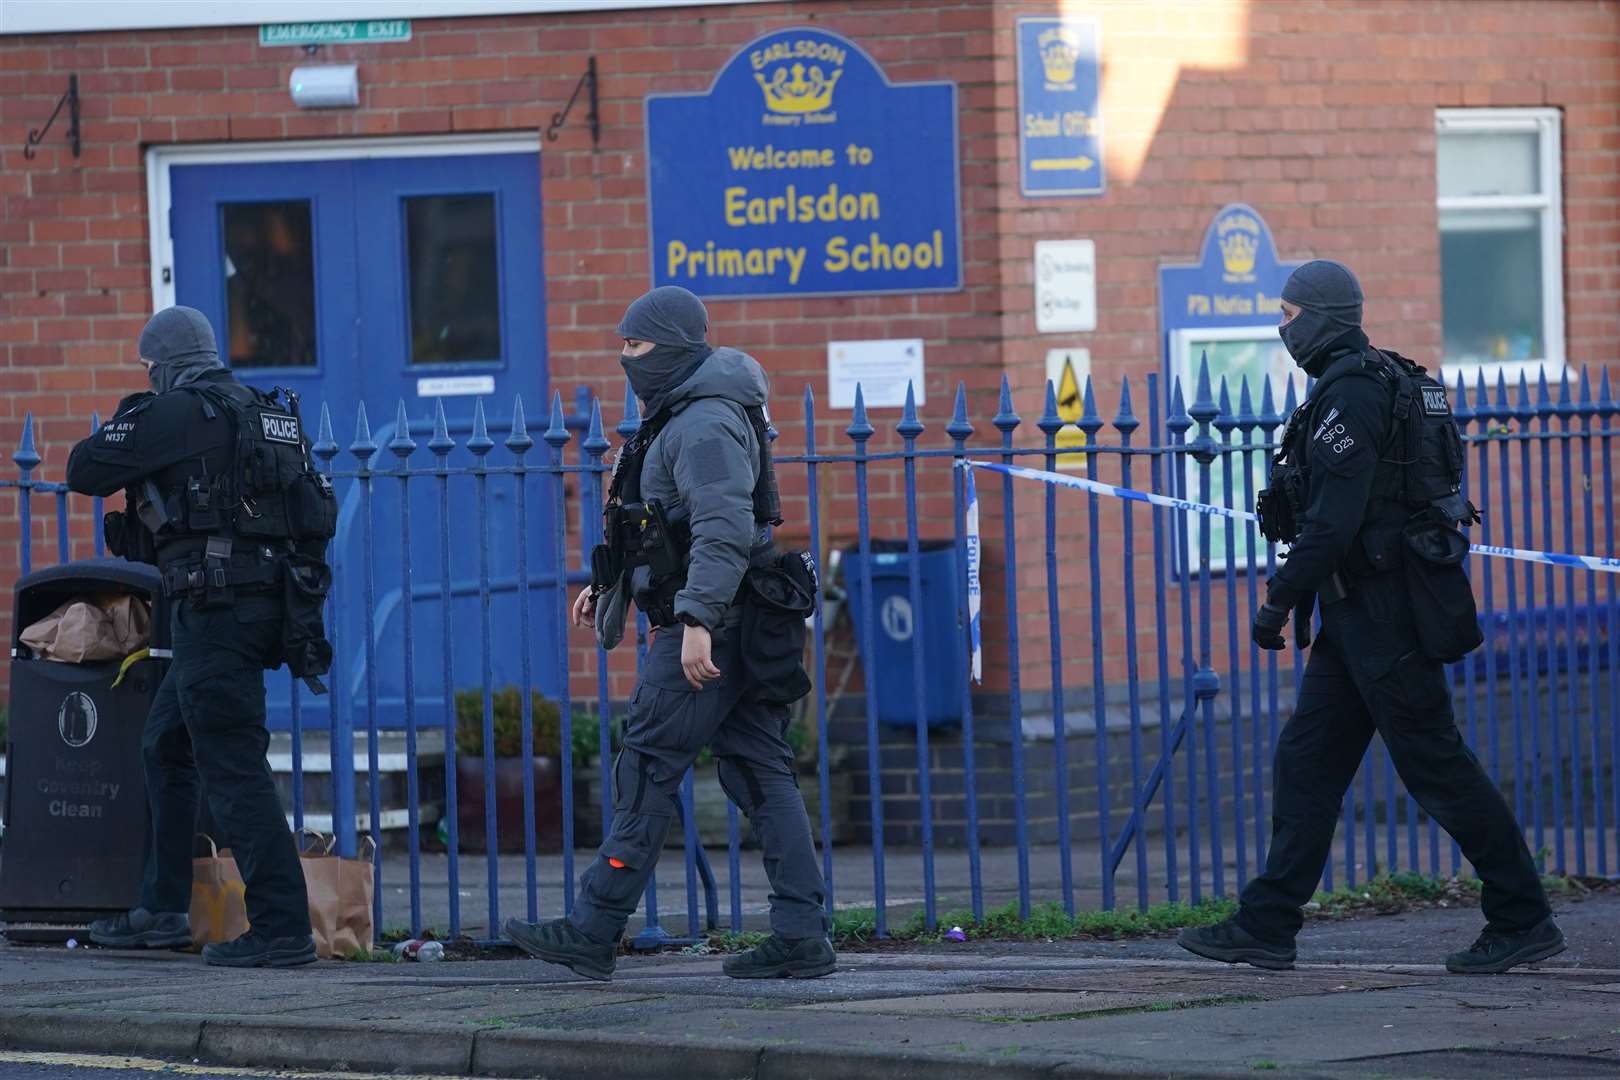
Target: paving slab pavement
1369, 999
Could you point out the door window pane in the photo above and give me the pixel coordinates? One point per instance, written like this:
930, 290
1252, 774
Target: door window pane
454, 280
1489, 163
269, 284
1491, 288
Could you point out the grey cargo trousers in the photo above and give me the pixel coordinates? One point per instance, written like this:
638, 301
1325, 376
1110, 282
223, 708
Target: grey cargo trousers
668, 724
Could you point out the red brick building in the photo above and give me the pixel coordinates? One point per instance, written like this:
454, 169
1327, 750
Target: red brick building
1356, 130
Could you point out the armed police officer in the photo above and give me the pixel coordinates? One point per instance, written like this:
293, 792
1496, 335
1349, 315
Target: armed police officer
1367, 489
691, 502
220, 496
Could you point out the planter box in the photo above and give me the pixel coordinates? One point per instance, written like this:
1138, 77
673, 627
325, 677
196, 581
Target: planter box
509, 803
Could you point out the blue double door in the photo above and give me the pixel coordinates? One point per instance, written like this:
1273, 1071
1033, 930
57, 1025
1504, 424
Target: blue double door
370, 282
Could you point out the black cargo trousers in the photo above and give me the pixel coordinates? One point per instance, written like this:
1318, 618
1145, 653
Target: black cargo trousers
208, 723
667, 726
1366, 674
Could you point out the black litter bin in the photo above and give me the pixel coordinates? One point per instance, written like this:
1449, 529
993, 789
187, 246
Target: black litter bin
75, 807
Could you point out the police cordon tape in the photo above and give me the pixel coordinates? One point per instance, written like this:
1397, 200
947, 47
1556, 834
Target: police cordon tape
1602, 564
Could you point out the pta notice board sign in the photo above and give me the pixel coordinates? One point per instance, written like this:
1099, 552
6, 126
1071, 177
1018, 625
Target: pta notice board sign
803, 171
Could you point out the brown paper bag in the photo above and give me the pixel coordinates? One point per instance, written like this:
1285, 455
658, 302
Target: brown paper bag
218, 898
84, 630
340, 895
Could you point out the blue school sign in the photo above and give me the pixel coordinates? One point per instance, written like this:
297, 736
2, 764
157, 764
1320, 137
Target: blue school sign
1059, 121
1237, 281
803, 171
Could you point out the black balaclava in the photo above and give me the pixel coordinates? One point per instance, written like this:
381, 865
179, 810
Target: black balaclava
1329, 298
180, 344
675, 321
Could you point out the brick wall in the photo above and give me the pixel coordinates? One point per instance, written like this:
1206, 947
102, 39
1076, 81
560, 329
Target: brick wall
1204, 103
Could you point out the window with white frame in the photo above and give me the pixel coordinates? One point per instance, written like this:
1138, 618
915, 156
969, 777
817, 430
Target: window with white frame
1501, 240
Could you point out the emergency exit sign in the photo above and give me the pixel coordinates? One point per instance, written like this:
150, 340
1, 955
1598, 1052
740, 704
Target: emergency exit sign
335, 33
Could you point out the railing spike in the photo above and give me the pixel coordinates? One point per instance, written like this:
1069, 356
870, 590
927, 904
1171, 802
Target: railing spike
480, 443
1126, 420
518, 441
27, 457
557, 434
363, 447
910, 427
960, 429
859, 429
401, 444
441, 443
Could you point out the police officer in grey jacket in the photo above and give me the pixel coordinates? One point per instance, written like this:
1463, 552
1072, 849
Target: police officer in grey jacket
700, 465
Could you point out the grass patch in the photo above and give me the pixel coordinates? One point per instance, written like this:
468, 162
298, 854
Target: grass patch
371, 956
856, 928
1262, 1066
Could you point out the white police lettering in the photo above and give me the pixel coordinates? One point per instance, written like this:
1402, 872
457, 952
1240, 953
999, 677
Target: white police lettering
279, 427
115, 432
1434, 401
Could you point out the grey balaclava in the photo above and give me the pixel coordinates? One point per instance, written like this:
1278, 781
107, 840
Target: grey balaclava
675, 321
180, 343
1329, 298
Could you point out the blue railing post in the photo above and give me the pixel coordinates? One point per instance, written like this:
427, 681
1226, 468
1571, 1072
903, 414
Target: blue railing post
1007, 421
364, 448
1587, 410
1225, 425
909, 429
960, 430
595, 446
823, 751
860, 432
1126, 423
479, 445
1050, 424
441, 444
1091, 423
1178, 423
401, 446
518, 443
27, 459
1163, 571
1206, 682
341, 734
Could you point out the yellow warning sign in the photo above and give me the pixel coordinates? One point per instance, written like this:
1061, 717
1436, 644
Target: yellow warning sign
1068, 369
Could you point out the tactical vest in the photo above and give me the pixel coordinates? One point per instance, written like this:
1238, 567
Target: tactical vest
638, 532
1420, 462
271, 492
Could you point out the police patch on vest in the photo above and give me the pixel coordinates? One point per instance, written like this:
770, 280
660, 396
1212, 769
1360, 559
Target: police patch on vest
279, 427
1434, 401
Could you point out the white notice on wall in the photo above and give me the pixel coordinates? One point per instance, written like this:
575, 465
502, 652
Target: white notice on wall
456, 386
1065, 286
882, 369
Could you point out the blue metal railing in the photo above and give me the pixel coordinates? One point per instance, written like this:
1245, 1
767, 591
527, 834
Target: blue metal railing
1174, 813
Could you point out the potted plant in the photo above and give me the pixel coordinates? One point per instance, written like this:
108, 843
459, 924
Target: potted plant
546, 765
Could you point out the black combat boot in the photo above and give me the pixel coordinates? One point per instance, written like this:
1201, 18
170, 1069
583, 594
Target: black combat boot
561, 942
142, 929
1496, 951
1230, 943
778, 957
253, 949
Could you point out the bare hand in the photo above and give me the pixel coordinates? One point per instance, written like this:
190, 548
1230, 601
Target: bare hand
696, 646
585, 608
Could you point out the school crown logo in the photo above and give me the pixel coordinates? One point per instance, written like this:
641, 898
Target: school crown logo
1237, 252
1059, 54
804, 92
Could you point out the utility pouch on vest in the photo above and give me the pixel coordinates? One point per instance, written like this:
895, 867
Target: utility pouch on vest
312, 508
216, 591
1442, 599
777, 597
305, 582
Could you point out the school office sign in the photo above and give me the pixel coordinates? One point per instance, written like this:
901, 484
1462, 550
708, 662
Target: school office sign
803, 171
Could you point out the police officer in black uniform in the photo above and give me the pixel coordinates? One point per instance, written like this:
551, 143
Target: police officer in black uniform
1367, 490
211, 476
689, 509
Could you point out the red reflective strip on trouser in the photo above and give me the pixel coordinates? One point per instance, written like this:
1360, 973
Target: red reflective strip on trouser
616, 864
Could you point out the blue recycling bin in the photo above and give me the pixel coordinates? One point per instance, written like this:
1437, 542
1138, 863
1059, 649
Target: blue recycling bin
897, 629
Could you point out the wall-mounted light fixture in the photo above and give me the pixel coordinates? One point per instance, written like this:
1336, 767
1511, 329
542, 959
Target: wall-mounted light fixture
325, 86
